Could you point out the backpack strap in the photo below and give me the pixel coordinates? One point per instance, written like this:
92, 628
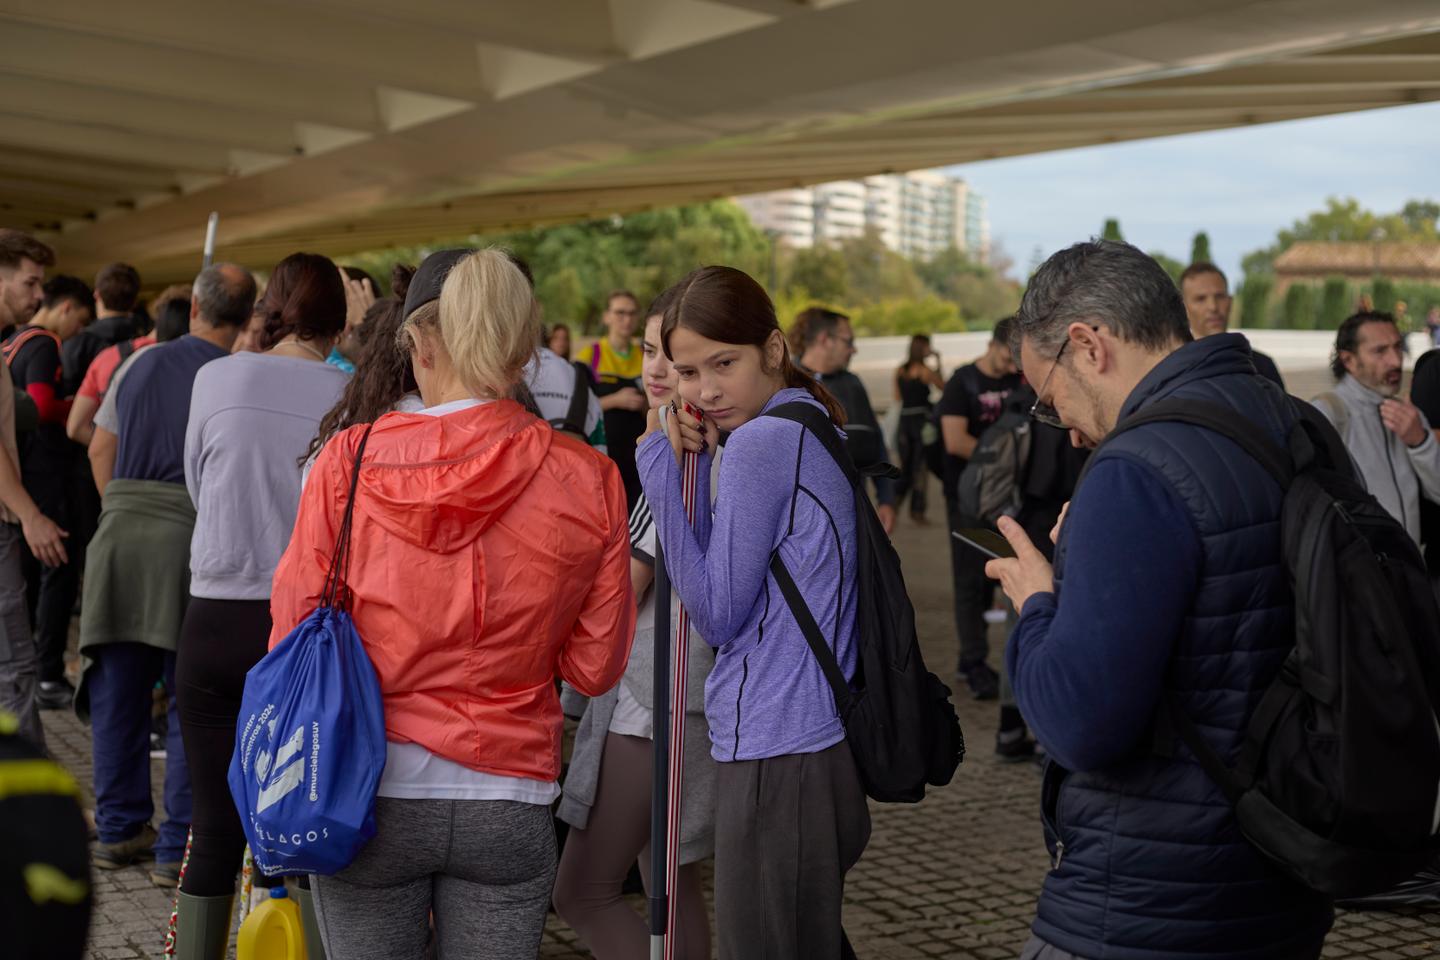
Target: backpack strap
823, 654
1217, 419
125, 348
820, 426
579, 400
25, 336
336, 593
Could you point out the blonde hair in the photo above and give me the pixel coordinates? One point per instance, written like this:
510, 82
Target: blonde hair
488, 321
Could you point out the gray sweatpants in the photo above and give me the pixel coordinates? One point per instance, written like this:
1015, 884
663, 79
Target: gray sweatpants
787, 829
19, 658
484, 867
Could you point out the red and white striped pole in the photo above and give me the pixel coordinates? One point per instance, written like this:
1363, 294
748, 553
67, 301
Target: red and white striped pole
680, 661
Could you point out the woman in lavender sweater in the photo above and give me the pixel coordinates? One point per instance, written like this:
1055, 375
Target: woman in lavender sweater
791, 815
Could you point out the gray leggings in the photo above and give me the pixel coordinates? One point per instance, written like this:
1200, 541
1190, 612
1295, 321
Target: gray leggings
596, 860
484, 867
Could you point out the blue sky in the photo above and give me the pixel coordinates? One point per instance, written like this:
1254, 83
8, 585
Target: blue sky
1239, 185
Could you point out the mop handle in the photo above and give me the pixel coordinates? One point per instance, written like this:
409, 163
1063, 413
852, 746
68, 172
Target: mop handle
689, 477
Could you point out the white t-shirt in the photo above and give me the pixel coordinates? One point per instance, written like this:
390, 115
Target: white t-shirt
552, 383
632, 718
414, 773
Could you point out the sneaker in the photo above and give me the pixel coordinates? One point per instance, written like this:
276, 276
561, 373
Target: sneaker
113, 856
157, 747
1016, 749
983, 682
166, 875
55, 694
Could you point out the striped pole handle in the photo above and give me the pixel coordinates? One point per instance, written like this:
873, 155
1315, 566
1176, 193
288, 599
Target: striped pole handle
680, 658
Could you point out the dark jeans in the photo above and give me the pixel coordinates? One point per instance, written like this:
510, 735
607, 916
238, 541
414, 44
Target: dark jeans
914, 474
787, 830
974, 592
50, 592
19, 663
219, 642
119, 683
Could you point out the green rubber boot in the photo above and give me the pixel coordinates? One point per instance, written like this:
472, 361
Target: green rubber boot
314, 949
202, 927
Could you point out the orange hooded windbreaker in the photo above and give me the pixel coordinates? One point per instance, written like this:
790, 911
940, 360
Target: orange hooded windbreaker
489, 554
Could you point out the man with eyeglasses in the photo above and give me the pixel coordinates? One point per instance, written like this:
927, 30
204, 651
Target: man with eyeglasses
974, 398
824, 342
1168, 581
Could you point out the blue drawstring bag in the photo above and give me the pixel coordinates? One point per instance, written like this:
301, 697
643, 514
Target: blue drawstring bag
310, 737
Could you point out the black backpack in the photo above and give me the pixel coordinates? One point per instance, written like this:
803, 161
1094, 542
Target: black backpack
992, 485
898, 717
1338, 776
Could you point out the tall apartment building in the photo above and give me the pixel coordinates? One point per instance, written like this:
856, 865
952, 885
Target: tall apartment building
918, 214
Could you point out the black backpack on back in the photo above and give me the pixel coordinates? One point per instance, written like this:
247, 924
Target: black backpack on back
1338, 778
992, 485
898, 717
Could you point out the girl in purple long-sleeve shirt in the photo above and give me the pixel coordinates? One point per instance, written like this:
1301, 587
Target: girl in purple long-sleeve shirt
791, 814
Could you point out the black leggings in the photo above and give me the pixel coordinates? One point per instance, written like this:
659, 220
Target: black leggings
220, 641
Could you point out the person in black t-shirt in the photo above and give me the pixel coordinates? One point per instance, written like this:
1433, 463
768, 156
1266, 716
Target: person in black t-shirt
117, 288
47, 459
973, 399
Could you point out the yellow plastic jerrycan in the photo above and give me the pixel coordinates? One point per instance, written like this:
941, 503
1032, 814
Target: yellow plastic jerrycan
272, 931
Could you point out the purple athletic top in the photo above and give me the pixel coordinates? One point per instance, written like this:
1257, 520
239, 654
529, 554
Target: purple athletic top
779, 487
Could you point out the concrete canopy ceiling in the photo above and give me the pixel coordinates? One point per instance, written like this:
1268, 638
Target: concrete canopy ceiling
345, 125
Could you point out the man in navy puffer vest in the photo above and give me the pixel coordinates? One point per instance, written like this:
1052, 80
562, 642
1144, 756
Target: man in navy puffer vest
1168, 579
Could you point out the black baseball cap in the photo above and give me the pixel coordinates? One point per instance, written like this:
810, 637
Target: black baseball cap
430, 277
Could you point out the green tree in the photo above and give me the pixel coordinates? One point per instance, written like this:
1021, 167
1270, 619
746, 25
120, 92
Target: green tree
1345, 221
875, 272
1382, 291
1252, 298
1421, 216
1298, 311
1111, 230
819, 271
1200, 248
1335, 303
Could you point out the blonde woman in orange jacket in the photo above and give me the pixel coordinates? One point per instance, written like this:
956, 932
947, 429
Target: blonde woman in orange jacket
490, 555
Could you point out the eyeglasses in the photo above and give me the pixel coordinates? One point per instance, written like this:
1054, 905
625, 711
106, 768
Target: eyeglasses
1042, 411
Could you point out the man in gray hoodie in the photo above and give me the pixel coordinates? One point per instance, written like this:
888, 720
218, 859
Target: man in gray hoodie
1387, 435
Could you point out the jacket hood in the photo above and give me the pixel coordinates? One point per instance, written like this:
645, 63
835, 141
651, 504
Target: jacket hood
1219, 355
439, 482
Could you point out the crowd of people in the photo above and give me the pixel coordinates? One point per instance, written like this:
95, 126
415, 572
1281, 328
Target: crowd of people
182, 471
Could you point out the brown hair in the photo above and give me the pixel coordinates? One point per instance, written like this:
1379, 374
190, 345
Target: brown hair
616, 294
305, 297
1199, 270
727, 305
16, 246
382, 372
118, 287
919, 350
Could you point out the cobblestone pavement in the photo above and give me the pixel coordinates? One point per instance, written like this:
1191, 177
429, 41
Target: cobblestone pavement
954, 876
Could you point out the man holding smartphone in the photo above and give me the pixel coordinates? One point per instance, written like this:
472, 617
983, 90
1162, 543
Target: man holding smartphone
1168, 580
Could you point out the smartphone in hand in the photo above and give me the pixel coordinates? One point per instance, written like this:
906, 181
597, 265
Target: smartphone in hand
988, 542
